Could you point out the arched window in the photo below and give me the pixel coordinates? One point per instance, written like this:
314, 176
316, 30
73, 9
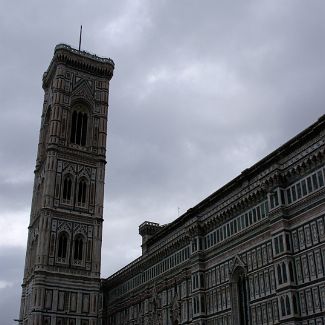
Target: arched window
279, 274
284, 273
283, 312
63, 243
292, 277
82, 192
79, 121
67, 185
78, 248
295, 306
288, 308
239, 297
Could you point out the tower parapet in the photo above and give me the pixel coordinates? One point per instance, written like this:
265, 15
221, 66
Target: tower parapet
147, 229
85, 61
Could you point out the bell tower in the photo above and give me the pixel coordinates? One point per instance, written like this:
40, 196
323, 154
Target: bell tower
62, 267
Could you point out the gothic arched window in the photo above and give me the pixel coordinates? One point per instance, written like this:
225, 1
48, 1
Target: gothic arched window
288, 308
63, 243
82, 192
279, 274
283, 312
239, 296
295, 305
291, 272
78, 248
284, 273
67, 186
79, 121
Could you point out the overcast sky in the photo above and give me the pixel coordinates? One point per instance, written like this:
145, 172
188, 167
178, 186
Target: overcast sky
201, 91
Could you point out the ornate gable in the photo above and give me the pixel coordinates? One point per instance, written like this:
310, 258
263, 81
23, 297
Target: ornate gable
83, 90
238, 262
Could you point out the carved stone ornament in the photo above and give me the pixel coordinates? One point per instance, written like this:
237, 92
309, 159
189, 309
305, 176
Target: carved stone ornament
237, 263
83, 91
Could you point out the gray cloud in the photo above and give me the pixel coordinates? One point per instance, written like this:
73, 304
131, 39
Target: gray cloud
201, 91
11, 272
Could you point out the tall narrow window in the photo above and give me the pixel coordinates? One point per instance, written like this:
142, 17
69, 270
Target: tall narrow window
63, 243
279, 274
78, 248
82, 192
67, 185
239, 297
79, 122
291, 272
73, 127
288, 308
283, 312
284, 273
295, 305
84, 129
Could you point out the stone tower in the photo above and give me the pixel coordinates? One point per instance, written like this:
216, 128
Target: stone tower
62, 268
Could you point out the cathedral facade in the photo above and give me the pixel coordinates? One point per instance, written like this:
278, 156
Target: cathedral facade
251, 253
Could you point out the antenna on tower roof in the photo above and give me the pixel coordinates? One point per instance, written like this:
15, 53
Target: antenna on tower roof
80, 37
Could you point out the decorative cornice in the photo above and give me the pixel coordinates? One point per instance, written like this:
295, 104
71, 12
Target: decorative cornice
80, 60
254, 182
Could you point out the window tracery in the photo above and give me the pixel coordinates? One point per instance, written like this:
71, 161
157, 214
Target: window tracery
62, 246
79, 124
67, 189
82, 192
78, 248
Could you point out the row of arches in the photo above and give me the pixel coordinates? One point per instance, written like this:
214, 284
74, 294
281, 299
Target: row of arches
282, 273
286, 307
64, 245
79, 121
81, 186
79, 125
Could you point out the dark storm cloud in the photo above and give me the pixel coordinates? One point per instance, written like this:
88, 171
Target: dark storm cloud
202, 90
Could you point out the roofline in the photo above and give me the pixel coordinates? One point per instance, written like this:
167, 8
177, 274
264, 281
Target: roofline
294, 142
248, 172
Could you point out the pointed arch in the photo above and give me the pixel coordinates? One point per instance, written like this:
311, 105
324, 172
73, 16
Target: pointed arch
283, 312
62, 250
239, 292
291, 272
78, 251
279, 271
82, 192
79, 124
295, 304
284, 273
67, 188
288, 308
